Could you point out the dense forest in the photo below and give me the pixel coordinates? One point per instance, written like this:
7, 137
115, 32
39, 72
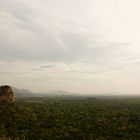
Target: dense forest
75, 118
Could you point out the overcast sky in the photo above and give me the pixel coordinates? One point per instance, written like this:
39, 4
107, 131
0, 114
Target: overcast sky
86, 46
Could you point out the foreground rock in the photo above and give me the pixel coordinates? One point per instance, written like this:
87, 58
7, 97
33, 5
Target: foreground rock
6, 94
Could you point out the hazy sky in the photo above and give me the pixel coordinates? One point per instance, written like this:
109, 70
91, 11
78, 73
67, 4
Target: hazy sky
86, 46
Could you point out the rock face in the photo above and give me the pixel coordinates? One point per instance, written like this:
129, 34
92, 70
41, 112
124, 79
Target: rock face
6, 94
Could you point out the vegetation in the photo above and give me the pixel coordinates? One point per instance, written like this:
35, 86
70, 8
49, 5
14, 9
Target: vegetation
70, 119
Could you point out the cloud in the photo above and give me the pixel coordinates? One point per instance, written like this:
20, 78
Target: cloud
47, 66
73, 44
46, 37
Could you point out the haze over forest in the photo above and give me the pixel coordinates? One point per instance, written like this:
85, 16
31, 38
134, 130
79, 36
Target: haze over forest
84, 46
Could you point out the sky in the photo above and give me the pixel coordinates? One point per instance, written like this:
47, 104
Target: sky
84, 46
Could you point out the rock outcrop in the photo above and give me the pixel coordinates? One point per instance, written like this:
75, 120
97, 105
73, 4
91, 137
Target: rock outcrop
6, 94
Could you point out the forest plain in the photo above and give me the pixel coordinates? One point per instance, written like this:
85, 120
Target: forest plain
71, 118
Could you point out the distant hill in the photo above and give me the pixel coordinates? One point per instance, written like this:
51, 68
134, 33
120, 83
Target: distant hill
23, 92
28, 93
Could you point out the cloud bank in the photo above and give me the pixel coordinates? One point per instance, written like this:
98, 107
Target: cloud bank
76, 45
